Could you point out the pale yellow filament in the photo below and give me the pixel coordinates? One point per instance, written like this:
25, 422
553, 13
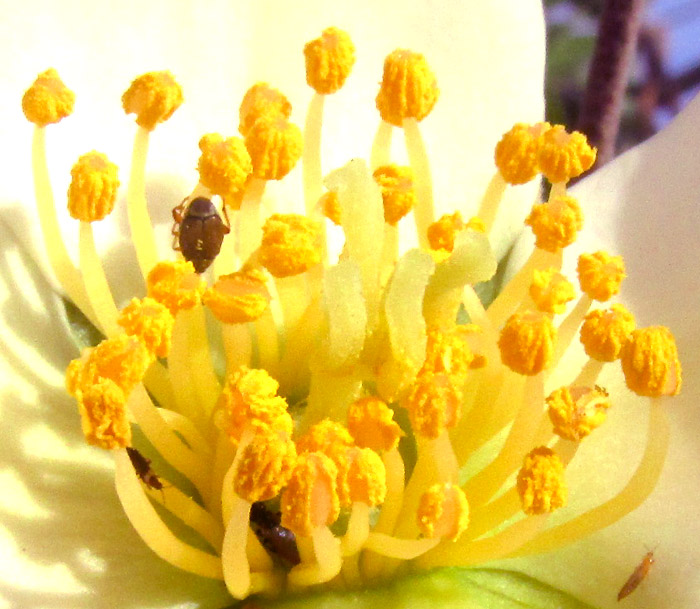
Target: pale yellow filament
393, 547
357, 531
423, 212
491, 200
311, 157
249, 219
234, 558
327, 564
381, 146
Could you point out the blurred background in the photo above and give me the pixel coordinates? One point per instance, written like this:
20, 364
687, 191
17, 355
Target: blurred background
665, 73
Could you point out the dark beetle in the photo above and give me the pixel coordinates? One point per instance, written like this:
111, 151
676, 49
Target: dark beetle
275, 538
199, 231
142, 467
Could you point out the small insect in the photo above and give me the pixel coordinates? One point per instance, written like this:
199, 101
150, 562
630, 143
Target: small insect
637, 576
142, 467
198, 231
276, 539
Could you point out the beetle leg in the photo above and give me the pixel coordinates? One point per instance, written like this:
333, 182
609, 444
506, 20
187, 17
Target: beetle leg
227, 224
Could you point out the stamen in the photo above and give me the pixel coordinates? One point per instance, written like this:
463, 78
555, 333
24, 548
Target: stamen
650, 362
576, 411
274, 145
224, 167
550, 291
93, 188
564, 155
103, 414
600, 275
527, 343
371, 424
239, 297
175, 284
153, 97
261, 100
149, 321
604, 332
555, 223
517, 153
329, 60
48, 100
541, 484
398, 193
443, 512
290, 244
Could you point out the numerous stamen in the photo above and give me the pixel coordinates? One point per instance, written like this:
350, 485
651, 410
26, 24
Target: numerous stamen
348, 345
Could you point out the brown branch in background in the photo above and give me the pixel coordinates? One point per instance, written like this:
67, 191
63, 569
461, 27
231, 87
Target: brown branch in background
607, 78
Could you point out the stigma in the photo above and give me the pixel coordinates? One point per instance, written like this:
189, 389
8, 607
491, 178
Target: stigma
325, 411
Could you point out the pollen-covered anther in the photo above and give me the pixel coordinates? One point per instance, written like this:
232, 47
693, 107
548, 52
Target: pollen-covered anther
604, 332
408, 89
576, 411
550, 291
563, 155
527, 342
329, 60
274, 145
650, 362
327, 437
330, 206
442, 232
249, 400
447, 351
600, 274
265, 465
48, 100
556, 223
517, 152
224, 167
238, 297
261, 100
153, 97
364, 478
310, 499
149, 321
175, 284
93, 188
291, 244
541, 484
443, 512
434, 403
398, 192
103, 415
371, 424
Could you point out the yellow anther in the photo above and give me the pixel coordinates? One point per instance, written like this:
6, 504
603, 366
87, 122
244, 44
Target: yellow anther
564, 155
74, 375
650, 362
447, 352
93, 188
371, 424
265, 465
443, 512
175, 284
291, 244
261, 100
103, 415
329, 60
541, 484
364, 480
442, 232
149, 321
274, 145
409, 88
330, 206
249, 400
576, 411
516, 154
327, 437
153, 97
48, 100
604, 332
224, 167
310, 499
600, 274
434, 404
476, 224
398, 193
239, 297
527, 342
555, 223
550, 291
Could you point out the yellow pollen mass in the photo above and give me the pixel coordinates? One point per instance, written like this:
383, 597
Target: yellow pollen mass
265, 466
442, 232
408, 89
291, 244
48, 100
550, 291
527, 342
249, 400
327, 437
329, 60
604, 332
103, 415
153, 97
330, 206
447, 352
398, 193
365, 477
239, 297
576, 411
175, 284
310, 499
563, 155
93, 188
274, 145
650, 362
556, 223
371, 424
541, 484
517, 152
600, 274
443, 511
149, 321
434, 403
224, 167
261, 100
